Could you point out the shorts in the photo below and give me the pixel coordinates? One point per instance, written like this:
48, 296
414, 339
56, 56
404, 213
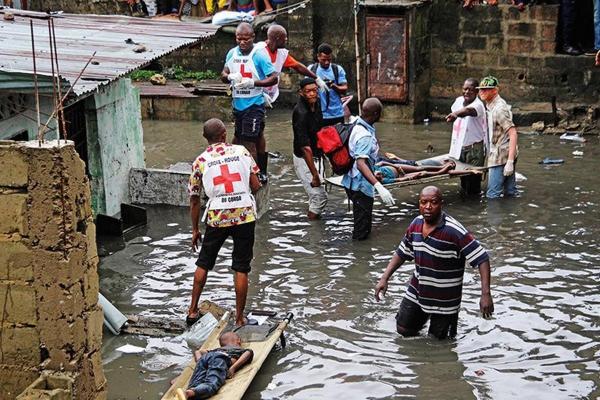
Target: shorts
411, 318
243, 246
250, 123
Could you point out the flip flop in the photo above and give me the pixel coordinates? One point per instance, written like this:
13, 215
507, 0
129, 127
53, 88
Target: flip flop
189, 321
247, 321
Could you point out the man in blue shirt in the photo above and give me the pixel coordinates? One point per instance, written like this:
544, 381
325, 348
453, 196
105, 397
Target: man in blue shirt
248, 71
335, 78
360, 182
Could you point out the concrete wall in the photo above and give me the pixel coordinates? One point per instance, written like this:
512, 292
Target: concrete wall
27, 120
115, 143
50, 320
517, 47
81, 6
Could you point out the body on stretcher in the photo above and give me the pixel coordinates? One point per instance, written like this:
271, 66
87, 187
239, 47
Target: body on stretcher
460, 169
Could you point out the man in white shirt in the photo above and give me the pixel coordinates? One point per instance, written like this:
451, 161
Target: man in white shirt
469, 134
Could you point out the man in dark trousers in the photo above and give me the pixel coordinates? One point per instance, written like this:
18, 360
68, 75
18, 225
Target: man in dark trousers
440, 247
307, 119
360, 182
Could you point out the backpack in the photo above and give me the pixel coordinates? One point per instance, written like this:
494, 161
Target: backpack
336, 76
333, 141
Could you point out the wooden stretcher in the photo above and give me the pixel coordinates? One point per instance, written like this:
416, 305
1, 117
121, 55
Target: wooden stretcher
460, 166
260, 339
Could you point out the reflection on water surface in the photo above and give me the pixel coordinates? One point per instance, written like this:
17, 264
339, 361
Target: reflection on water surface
545, 258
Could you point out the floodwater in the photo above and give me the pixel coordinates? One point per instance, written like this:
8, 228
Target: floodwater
545, 255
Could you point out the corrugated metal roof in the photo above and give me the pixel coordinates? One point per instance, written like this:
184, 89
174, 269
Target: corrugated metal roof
393, 3
79, 35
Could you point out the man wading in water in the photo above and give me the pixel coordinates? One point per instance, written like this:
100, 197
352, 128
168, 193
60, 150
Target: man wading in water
228, 175
440, 246
249, 70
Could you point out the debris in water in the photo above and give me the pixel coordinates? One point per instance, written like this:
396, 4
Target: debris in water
479, 372
549, 161
131, 349
573, 137
578, 153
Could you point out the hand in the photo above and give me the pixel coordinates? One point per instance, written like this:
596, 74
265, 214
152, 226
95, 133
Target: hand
196, 237
230, 373
486, 305
385, 194
381, 287
322, 85
246, 83
451, 117
234, 77
509, 168
316, 182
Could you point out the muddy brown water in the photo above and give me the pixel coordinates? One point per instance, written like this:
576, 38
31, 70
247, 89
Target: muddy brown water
544, 246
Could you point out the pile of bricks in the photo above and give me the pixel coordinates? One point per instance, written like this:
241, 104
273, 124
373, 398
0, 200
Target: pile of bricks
49, 317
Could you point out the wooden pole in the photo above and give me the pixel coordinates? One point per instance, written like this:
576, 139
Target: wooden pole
35, 82
358, 56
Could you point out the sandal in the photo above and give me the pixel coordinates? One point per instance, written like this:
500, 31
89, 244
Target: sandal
189, 321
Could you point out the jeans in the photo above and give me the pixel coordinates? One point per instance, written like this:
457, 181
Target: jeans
317, 196
498, 183
362, 211
597, 24
209, 375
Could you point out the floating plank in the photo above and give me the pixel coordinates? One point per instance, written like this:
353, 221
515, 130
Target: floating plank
234, 388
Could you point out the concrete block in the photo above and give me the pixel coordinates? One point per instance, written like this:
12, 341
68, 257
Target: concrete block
14, 379
13, 166
12, 210
11, 267
93, 327
159, 186
55, 386
19, 303
20, 346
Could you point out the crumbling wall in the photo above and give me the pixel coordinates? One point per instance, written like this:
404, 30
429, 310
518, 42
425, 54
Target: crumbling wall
81, 6
49, 317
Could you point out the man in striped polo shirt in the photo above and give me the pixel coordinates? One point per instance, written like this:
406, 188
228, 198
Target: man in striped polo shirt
440, 247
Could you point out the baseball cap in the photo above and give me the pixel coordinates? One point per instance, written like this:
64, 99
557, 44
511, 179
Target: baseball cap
489, 82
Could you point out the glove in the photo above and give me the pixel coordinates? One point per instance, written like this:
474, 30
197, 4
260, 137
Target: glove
234, 77
322, 85
246, 83
509, 168
385, 194
268, 101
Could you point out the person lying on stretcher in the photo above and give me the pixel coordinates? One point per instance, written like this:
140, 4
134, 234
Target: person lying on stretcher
387, 172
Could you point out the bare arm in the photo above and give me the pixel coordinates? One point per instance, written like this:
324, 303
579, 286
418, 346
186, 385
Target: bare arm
303, 70
254, 183
486, 305
392, 266
341, 89
268, 81
244, 359
225, 74
463, 112
307, 154
363, 167
512, 144
195, 216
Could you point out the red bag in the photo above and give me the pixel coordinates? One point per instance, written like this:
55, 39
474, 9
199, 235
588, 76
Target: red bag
333, 141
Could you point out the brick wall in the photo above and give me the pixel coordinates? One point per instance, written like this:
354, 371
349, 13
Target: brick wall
50, 320
81, 6
516, 47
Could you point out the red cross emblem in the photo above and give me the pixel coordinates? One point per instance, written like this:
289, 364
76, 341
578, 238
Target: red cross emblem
227, 179
244, 73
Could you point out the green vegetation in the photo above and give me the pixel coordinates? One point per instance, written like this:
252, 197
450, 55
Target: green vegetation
175, 72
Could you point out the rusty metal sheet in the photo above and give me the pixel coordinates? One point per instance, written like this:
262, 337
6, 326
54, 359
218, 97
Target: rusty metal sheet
387, 69
79, 35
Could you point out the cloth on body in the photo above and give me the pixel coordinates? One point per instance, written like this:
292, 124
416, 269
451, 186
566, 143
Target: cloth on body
362, 144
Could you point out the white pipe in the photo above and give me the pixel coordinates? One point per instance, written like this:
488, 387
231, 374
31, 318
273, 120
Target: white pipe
113, 318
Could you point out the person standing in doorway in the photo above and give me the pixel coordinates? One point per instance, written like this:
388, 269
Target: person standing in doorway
334, 77
502, 133
440, 248
307, 119
469, 134
228, 175
360, 182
